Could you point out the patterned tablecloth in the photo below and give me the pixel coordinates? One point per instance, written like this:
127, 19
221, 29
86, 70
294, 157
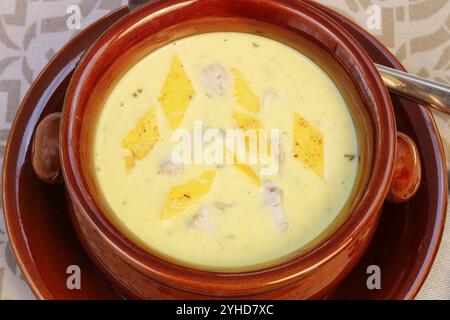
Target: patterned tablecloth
31, 31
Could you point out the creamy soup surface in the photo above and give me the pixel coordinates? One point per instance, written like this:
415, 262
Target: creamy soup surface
220, 216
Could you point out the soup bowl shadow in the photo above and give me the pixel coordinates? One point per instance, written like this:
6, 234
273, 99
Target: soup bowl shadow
309, 273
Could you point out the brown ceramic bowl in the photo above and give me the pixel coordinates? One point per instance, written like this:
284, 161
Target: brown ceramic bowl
307, 274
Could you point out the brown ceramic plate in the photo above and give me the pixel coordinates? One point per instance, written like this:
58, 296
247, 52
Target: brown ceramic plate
45, 243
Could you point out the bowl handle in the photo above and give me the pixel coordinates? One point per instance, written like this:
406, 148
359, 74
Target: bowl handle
46, 161
407, 170
45, 149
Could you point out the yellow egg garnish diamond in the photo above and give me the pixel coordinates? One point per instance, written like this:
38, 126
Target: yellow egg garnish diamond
244, 94
176, 93
308, 145
184, 196
141, 140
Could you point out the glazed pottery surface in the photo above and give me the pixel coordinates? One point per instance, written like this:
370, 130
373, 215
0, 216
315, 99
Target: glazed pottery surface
307, 274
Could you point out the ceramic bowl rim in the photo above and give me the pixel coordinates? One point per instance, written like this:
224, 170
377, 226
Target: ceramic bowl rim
369, 205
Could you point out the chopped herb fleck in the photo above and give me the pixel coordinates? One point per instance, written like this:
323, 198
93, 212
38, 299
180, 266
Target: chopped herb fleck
256, 45
350, 157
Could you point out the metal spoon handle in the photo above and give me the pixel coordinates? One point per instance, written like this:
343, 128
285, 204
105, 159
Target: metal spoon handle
134, 4
434, 94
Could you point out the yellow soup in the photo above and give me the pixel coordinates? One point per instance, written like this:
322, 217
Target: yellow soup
230, 214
